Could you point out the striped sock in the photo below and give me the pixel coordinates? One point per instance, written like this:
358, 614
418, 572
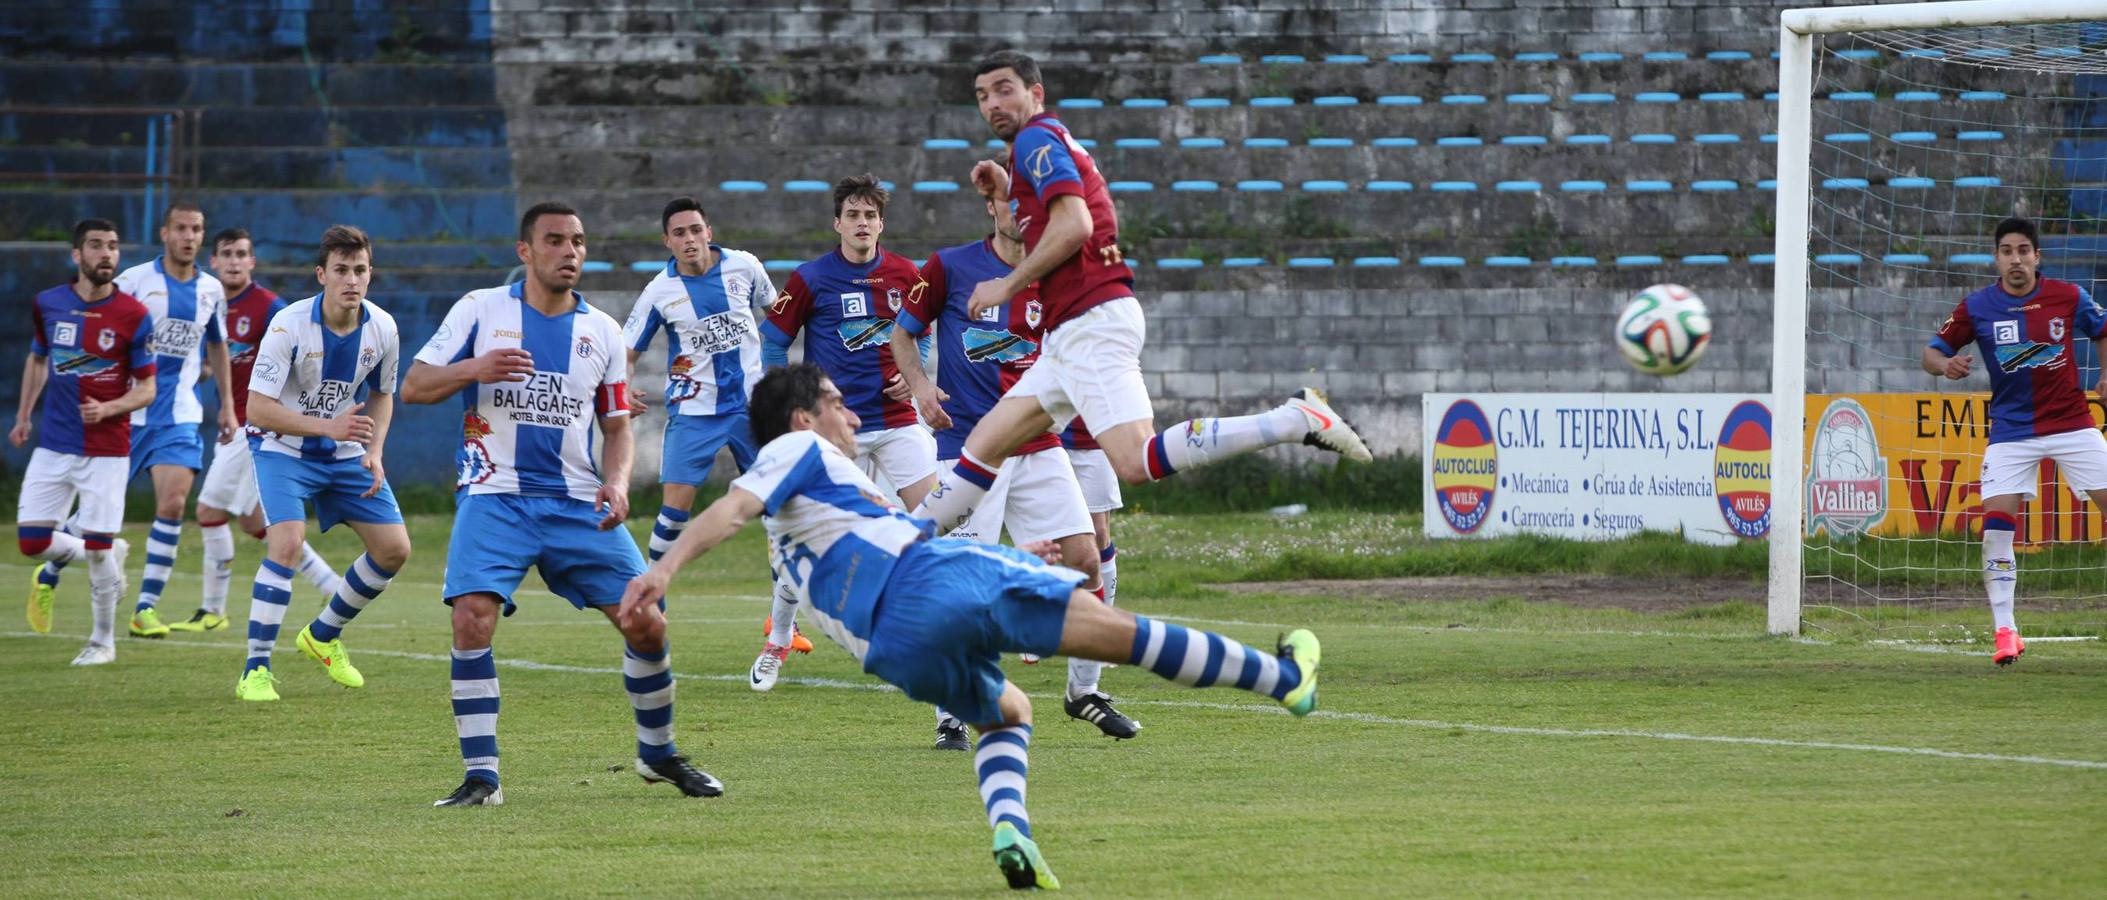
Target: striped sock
317, 571
1200, 658
267, 602
670, 524
648, 677
48, 573
1001, 764
161, 542
475, 712
360, 585
219, 565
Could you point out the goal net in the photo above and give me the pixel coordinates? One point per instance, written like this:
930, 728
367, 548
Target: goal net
1907, 133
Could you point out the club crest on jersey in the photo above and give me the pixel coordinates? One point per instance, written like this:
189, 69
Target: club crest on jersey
680, 382
366, 357
1033, 310
863, 333
65, 334
585, 346
892, 298
241, 324
2055, 329
989, 345
106, 339
474, 459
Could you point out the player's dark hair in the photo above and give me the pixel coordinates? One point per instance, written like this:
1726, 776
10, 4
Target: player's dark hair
1026, 68
230, 235
82, 227
544, 208
180, 206
679, 205
343, 240
860, 187
784, 390
2019, 226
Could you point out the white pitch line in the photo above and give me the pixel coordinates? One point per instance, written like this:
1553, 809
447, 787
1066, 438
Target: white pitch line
1365, 718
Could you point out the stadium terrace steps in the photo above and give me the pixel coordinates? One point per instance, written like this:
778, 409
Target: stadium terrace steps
390, 216
151, 83
280, 126
362, 168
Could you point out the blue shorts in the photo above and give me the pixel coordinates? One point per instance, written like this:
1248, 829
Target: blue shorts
690, 448
166, 445
287, 485
950, 611
497, 536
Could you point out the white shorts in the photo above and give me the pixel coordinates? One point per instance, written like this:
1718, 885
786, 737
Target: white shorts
902, 456
230, 483
1035, 496
1091, 367
54, 479
1093, 470
2013, 467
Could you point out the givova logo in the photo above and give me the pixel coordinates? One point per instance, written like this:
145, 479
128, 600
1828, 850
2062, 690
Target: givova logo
1466, 466
1741, 469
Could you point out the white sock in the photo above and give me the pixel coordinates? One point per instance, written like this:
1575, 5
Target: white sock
1083, 673
105, 583
1197, 442
2000, 574
64, 548
317, 571
782, 616
219, 567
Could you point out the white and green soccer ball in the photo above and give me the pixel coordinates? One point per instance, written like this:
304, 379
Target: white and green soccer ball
1664, 329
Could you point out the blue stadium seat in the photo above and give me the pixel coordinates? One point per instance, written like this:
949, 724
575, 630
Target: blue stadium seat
1600, 56
1767, 138
946, 144
1977, 181
1387, 186
1272, 102
1208, 102
1411, 58
1666, 56
1394, 142
1981, 136
1911, 181
887, 185
1770, 96
1463, 99
1767, 184
1924, 53
1080, 103
1536, 57
1195, 185
1518, 187
1916, 96
1722, 97
1397, 100
1587, 139
1144, 103
1852, 96
646, 265
1473, 58
1311, 262
1658, 97
1173, 262
1728, 56
1714, 186
1202, 143
1528, 99
1858, 54
1524, 140
1989, 53
1706, 259
596, 265
995, 144
1137, 143
1336, 100
1345, 59
1972, 259
782, 265
1653, 139
1460, 141
1913, 137
1981, 96
1718, 139
1440, 262
1324, 186
1130, 187
1843, 184
1377, 261
1332, 142
1282, 59
1221, 59
1453, 187
807, 186
1837, 259
1639, 259
1265, 143
1088, 143
742, 187
1648, 186
1583, 187
1256, 185
1906, 259
1242, 262
1847, 137
1593, 98
1508, 262
1571, 262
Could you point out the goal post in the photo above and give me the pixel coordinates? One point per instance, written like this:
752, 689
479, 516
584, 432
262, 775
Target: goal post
1800, 39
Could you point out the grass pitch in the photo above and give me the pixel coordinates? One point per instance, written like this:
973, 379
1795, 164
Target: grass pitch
1484, 746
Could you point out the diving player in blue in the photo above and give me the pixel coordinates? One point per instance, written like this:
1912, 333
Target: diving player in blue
932, 616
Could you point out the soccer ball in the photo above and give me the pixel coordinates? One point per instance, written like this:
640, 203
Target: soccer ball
1664, 330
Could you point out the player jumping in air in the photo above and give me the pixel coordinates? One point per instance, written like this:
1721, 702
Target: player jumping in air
1090, 365
321, 399
2024, 325
91, 358
543, 369
933, 616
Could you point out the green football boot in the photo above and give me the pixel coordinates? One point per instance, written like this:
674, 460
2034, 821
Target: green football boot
1020, 861
201, 621
146, 623
332, 657
257, 685
1301, 646
39, 601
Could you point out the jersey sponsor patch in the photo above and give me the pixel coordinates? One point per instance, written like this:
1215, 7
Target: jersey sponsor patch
987, 345
65, 334
864, 333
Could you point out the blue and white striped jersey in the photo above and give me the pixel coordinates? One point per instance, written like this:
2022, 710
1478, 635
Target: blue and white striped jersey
534, 437
187, 315
315, 372
832, 537
713, 344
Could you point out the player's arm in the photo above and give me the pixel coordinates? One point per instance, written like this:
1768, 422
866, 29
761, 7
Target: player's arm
444, 366
786, 317
1067, 227
1943, 355
2092, 322
717, 524
380, 407
637, 331
34, 374
611, 405
222, 371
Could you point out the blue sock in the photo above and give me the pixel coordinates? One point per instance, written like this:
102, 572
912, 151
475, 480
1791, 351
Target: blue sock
267, 602
360, 585
161, 541
475, 712
1203, 659
648, 677
1001, 764
666, 530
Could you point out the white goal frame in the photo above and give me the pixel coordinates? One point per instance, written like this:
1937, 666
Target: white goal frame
1788, 379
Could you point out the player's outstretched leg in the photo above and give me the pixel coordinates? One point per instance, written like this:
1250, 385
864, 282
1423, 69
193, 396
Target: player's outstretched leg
2001, 580
1306, 418
1189, 656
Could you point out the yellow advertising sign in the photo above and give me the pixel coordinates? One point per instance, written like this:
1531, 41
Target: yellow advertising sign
1906, 465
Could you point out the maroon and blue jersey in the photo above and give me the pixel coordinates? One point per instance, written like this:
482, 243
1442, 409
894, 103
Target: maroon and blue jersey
850, 308
1078, 436
1047, 162
93, 351
978, 357
248, 314
2025, 343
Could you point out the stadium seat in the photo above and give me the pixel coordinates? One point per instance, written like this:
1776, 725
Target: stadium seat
1847, 137
1601, 57
1728, 56
1767, 138
1394, 142
1714, 186
1272, 102
1202, 143
1528, 99
1387, 186
1916, 96
1282, 59
1852, 96
1666, 56
1536, 57
1243, 262
1088, 143
1463, 99
1311, 262
1572, 262
646, 265
1080, 103
1130, 187
1593, 98
1411, 58
1453, 187
1179, 263
1582, 187
1977, 181
1721, 97
1460, 141
1856, 54
1137, 143
596, 265
1332, 142
1906, 259
1524, 140
1397, 100
1196, 185
1913, 137
1843, 184
935, 187
1144, 103
1923, 53
1518, 187
1221, 59
1767, 184
1473, 58
1440, 262
1718, 139
1989, 53
1265, 142
1911, 181
1972, 259
1258, 185
1705, 259
1639, 259
1508, 262
1837, 259
1584, 139
1345, 59
1648, 186
782, 265
742, 187
1980, 96
1658, 97
946, 144
1323, 187
1980, 136
1653, 139
807, 186
1378, 262
1336, 100
1208, 103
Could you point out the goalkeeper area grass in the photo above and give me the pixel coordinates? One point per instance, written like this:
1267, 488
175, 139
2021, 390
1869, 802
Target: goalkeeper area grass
1474, 737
